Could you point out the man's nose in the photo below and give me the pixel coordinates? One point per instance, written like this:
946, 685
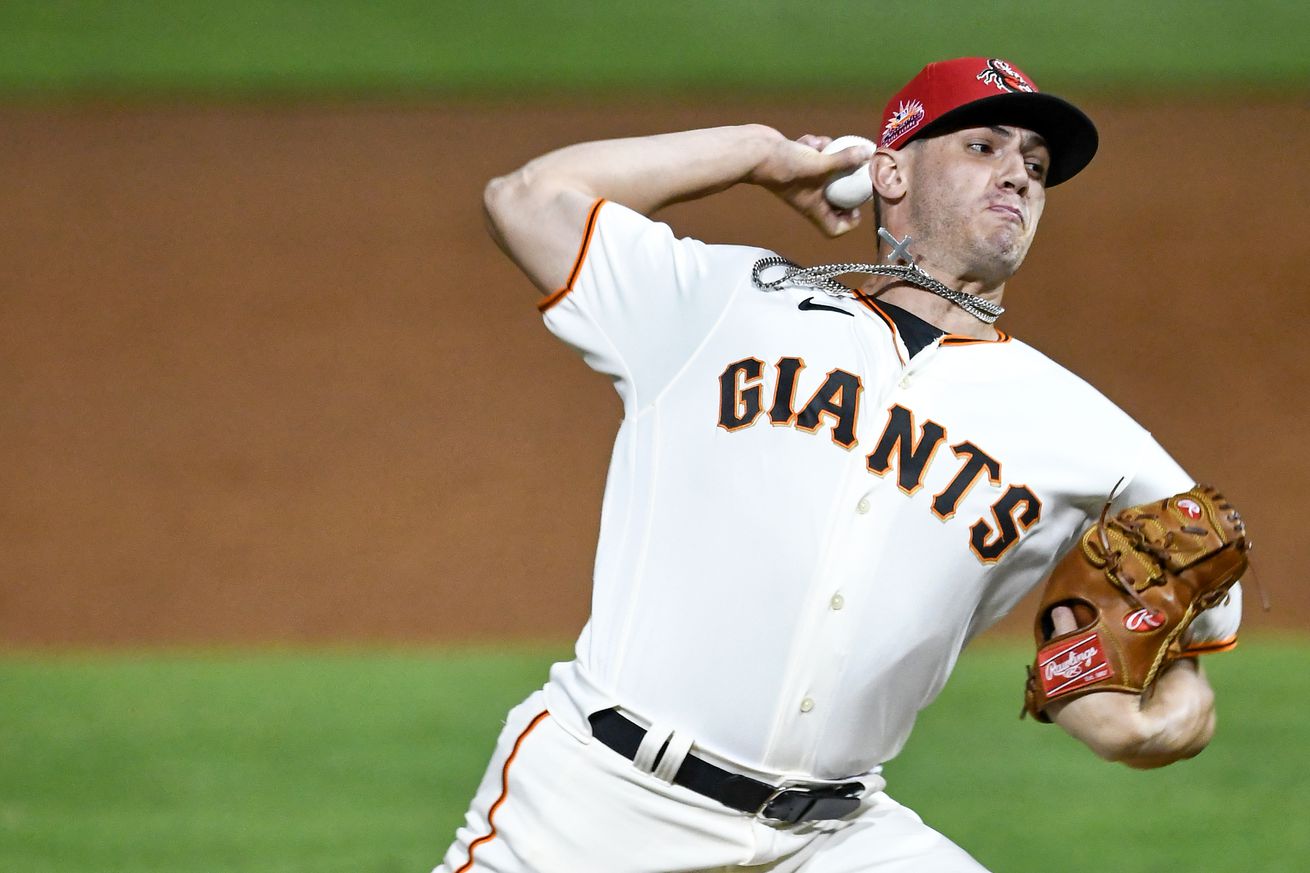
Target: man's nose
1014, 174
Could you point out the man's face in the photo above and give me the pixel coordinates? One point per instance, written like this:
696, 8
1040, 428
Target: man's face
975, 197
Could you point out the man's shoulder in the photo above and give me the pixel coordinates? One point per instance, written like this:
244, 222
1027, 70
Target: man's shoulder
1051, 377
616, 219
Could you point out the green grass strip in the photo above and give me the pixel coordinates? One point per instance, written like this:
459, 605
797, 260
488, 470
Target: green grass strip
1026, 797
270, 762
363, 762
530, 48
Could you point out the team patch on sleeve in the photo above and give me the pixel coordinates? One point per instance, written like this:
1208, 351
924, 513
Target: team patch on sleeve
1072, 663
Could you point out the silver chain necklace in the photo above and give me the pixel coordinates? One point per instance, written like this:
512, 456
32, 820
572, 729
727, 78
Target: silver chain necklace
822, 278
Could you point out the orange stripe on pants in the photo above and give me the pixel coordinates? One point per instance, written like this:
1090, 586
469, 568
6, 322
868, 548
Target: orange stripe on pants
504, 791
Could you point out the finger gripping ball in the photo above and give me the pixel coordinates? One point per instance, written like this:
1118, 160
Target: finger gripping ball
850, 188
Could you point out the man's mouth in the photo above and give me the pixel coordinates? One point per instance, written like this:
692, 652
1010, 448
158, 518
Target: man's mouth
1011, 211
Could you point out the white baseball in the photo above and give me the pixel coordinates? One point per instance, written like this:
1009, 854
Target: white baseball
849, 189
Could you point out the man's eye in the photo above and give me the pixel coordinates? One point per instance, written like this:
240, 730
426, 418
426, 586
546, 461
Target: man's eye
1037, 169
981, 148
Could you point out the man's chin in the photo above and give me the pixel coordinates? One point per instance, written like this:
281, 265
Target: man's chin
996, 266
1007, 257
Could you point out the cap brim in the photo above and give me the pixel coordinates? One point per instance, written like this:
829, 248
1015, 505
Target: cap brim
1069, 133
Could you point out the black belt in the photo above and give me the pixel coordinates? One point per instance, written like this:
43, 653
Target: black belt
789, 803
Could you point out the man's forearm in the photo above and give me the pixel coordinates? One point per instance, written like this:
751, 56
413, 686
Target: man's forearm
1174, 720
650, 172
1179, 717
537, 213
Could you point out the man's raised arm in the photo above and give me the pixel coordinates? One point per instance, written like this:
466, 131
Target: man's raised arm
537, 213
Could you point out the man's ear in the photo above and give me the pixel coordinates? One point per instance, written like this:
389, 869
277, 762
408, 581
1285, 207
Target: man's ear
889, 171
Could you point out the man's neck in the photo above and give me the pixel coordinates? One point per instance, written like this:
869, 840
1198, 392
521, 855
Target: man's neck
935, 310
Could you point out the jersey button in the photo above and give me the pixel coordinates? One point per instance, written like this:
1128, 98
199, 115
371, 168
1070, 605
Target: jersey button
807, 704
837, 601
863, 506
905, 382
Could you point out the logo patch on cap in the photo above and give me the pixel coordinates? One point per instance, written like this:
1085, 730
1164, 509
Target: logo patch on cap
1143, 620
906, 118
1190, 507
1005, 77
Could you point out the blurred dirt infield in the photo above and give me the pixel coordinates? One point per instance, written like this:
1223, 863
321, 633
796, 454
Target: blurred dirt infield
266, 378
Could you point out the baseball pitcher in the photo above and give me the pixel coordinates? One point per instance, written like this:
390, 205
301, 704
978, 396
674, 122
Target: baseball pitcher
821, 490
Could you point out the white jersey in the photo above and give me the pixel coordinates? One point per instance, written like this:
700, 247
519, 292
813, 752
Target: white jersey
803, 525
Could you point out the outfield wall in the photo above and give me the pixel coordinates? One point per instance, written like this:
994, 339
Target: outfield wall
268, 380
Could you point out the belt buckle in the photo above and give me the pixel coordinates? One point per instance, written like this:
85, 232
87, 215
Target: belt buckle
792, 803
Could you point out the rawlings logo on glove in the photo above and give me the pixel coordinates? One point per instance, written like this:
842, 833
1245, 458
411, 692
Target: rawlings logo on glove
1134, 584
1075, 663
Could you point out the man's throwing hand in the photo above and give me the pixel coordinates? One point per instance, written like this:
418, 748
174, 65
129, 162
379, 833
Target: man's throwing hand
798, 171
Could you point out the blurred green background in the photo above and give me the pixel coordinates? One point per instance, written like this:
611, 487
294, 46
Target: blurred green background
365, 760
340, 762
525, 47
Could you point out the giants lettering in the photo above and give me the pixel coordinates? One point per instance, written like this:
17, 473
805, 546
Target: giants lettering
739, 399
910, 450
783, 411
838, 398
914, 456
988, 544
945, 503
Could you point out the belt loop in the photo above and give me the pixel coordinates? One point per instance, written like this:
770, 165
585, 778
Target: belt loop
648, 753
666, 754
671, 760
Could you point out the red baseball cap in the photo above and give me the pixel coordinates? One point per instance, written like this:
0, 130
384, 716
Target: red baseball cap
968, 92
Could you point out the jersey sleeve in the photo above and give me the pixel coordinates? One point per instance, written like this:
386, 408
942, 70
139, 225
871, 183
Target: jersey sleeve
1215, 630
639, 301
1154, 475
1159, 476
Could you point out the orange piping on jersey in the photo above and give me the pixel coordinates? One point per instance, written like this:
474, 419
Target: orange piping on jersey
548, 302
955, 339
950, 339
1211, 648
504, 791
891, 325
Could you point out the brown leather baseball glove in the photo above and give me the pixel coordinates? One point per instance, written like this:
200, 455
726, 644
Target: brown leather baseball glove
1134, 583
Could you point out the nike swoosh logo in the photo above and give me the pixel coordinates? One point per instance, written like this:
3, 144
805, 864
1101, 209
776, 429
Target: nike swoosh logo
808, 305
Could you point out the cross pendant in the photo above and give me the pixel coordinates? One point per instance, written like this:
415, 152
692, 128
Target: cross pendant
900, 247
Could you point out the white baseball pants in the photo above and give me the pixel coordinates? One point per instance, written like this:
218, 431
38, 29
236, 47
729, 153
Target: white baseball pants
553, 803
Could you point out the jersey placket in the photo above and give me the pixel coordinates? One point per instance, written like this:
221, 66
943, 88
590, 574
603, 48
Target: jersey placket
857, 548
836, 596
832, 610
917, 365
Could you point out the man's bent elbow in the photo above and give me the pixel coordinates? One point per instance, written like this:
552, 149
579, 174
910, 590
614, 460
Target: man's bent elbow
520, 208
495, 205
537, 222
